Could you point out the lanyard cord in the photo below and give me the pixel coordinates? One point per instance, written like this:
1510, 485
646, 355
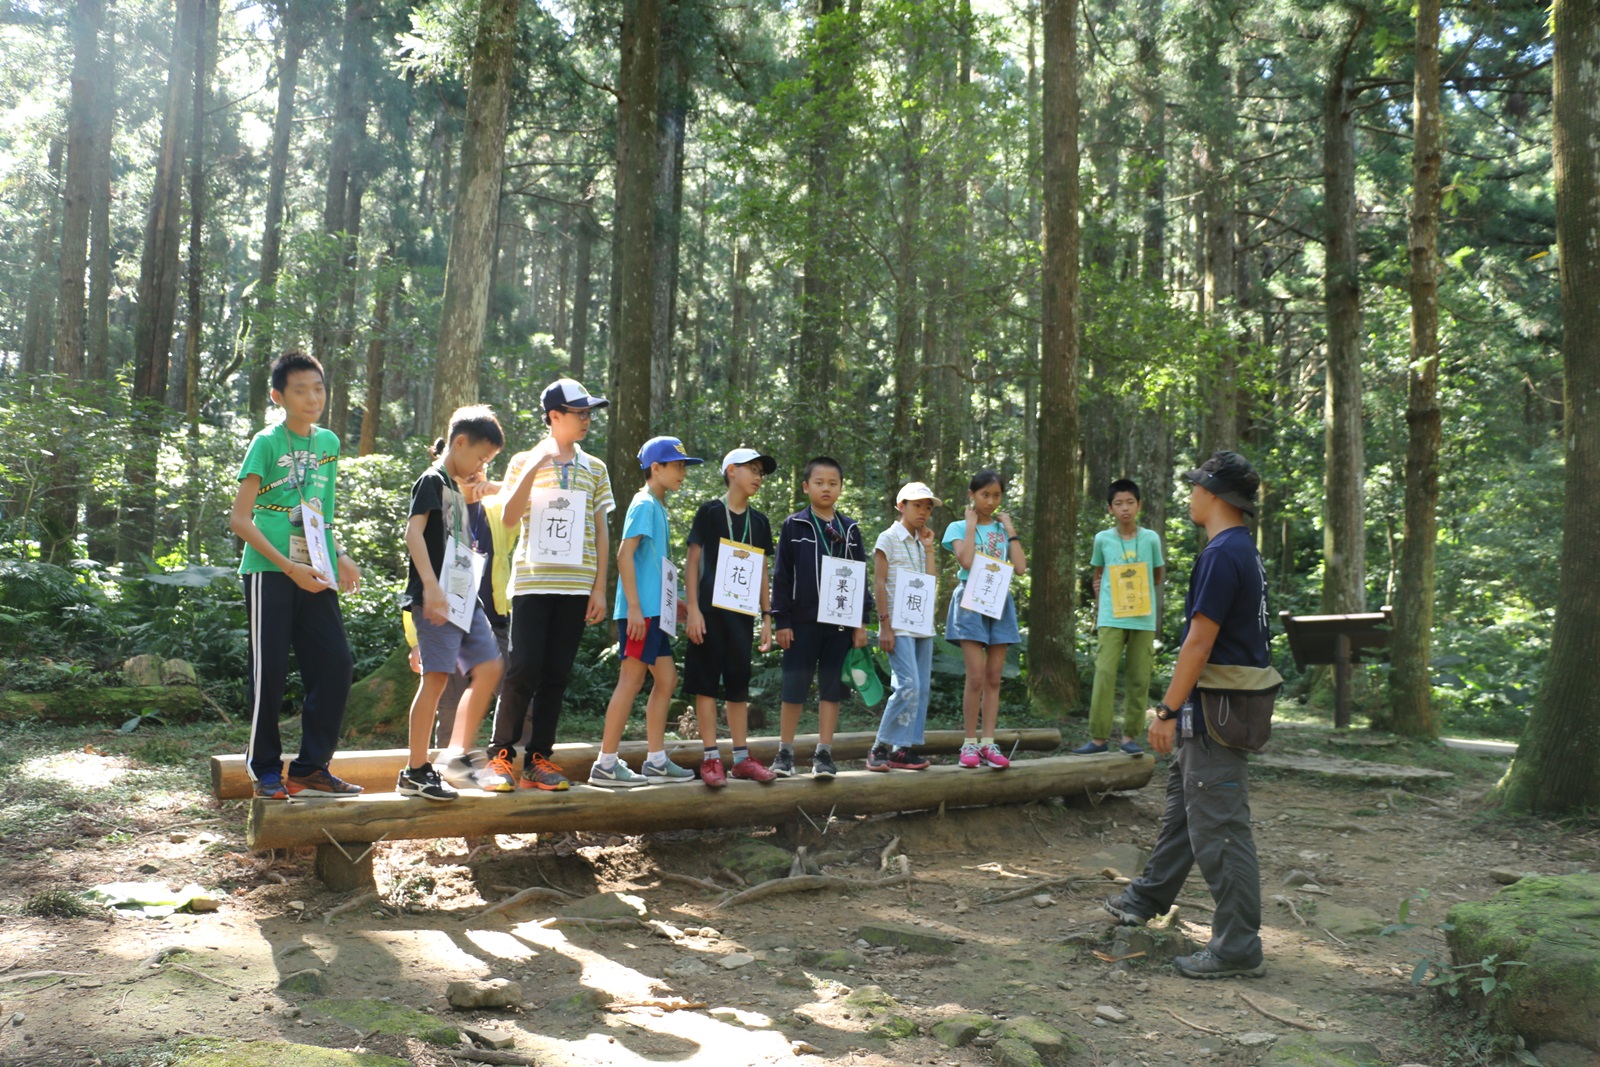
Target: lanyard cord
1126, 555
727, 513
294, 467
822, 536
458, 502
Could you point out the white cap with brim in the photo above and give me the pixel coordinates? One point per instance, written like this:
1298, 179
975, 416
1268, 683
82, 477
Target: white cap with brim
748, 455
566, 393
915, 491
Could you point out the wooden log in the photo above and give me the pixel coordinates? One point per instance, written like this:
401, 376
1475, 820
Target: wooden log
376, 770
112, 705
281, 824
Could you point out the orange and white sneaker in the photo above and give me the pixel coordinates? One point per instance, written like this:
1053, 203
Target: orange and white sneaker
539, 773
496, 776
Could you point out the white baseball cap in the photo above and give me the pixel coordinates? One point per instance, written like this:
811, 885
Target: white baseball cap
748, 455
916, 491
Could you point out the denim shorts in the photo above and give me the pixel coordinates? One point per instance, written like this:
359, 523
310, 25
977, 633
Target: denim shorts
651, 647
963, 625
446, 650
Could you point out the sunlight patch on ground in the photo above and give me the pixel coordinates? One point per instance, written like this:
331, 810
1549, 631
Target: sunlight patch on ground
75, 768
500, 945
599, 971
436, 946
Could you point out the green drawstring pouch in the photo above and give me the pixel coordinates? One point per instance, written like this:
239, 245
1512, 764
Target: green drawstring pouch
861, 674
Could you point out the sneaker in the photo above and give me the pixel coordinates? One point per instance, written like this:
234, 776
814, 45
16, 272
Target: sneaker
1091, 748
783, 763
969, 756
423, 782
1204, 965
1131, 747
751, 770
270, 787
993, 757
496, 776
1118, 909
822, 766
666, 774
878, 758
460, 772
711, 773
539, 773
618, 777
319, 783
907, 759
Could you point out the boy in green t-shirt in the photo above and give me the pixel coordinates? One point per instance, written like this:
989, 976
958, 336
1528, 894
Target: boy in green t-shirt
1127, 618
284, 512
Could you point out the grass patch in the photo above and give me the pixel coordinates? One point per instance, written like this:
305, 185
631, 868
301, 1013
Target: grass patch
56, 903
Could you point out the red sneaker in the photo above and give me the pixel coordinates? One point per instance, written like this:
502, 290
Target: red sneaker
751, 770
711, 773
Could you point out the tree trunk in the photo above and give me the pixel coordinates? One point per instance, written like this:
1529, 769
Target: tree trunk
1052, 660
476, 215
344, 315
45, 280
738, 329
1344, 532
584, 235
903, 453
195, 313
1153, 116
372, 407
671, 117
1410, 679
563, 271
88, 17
633, 257
291, 29
1554, 771
157, 299
100, 513
336, 191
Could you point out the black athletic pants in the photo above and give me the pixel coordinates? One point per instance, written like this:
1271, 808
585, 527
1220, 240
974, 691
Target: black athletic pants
546, 629
284, 616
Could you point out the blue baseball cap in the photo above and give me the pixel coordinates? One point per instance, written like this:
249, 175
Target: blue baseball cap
664, 450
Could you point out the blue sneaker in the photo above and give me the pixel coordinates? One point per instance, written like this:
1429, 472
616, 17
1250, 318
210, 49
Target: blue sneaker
620, 776
1092, 748
1131, 747
665, 773
270, 787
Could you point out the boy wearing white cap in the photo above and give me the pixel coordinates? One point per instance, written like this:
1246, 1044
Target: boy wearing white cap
717, 662
643, 644
906, 583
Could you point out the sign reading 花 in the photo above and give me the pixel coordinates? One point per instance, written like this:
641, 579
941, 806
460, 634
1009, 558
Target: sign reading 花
739, 578
556, 526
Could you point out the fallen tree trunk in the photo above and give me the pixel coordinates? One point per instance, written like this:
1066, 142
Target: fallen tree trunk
280, 824
104, 705
376, 770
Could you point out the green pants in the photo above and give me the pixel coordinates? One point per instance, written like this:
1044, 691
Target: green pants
1141, 646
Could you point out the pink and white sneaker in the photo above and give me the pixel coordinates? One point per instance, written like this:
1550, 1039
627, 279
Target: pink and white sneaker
991, 756
970, 757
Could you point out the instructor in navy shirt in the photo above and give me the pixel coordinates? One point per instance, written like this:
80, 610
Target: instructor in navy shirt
1207, 816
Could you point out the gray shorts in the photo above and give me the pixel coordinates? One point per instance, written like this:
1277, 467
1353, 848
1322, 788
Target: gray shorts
446, 650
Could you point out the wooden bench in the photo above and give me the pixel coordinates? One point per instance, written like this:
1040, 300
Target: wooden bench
376, 770
343, 829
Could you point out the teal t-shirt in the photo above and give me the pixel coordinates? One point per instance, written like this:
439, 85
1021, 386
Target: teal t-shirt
990, 539
1110, 549
646, 520
293, 470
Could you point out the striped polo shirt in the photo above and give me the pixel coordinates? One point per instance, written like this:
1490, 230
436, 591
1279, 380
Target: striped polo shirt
584, 474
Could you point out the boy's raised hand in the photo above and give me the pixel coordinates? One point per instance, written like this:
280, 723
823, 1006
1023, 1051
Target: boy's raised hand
696, 626
925, 535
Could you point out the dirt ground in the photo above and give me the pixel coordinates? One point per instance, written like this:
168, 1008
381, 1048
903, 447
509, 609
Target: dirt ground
112, 990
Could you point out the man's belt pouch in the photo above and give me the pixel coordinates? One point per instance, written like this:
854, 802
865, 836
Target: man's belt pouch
1237, 703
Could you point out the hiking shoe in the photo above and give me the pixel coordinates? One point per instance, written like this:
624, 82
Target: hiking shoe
878, 758
1118, 909
751, 770
993, 757
1131, 747
496, 776
539, 773
822, 766
907, 759
460, 772
1091, 748
618, 777
783, 763
1204, 965
270, 787
969, 756
667, 773
320, 783
711, 773
423, 782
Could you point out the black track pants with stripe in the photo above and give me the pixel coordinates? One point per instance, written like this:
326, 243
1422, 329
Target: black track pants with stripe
284, 616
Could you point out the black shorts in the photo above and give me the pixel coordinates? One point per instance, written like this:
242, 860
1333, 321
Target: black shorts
719, 667
818, 648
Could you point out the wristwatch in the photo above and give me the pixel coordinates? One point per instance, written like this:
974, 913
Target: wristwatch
1165, 713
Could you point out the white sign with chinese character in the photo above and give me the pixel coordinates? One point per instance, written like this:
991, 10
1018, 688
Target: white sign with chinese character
556, 520
317, 542
988, 583
841, 589
913, 603
669, 598
462, 578
737, 583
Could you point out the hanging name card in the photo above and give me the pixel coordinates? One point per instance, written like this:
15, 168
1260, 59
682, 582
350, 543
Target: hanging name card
988, 583
317, 543
913, 603
669, 598
841, 589
556, 526
461, 580
1130, 590
737, 583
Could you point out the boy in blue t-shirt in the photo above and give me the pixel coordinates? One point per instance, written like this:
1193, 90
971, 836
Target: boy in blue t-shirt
646, 547
1127, 618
